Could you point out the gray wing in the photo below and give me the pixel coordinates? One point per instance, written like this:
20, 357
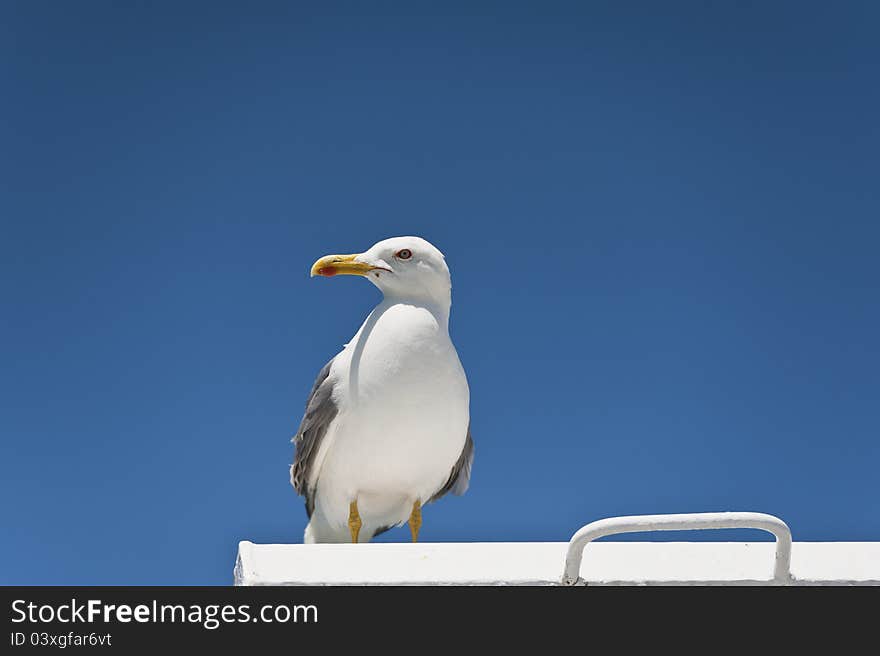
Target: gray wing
320, 411
460, 476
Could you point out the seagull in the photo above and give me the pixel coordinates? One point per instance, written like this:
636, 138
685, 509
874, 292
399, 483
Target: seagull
387, 424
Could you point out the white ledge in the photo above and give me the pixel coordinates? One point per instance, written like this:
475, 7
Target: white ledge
542, 563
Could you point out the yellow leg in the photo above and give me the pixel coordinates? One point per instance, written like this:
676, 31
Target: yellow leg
415, 521
354, 521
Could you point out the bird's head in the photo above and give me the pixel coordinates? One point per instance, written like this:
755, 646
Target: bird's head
406, 268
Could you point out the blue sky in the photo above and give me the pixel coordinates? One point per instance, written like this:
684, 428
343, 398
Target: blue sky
661, 221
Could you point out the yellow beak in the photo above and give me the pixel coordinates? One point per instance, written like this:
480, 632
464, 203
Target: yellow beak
333, 265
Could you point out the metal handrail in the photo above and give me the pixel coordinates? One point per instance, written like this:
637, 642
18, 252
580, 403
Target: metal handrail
680, 522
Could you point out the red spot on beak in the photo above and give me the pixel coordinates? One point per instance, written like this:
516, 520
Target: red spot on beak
327, 271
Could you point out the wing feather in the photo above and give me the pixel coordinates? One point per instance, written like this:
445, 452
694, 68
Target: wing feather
460, 476
320, 412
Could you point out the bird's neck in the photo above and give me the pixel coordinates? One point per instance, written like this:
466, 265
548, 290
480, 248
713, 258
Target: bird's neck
438, 307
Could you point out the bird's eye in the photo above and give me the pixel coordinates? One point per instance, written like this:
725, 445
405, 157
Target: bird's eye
403, 254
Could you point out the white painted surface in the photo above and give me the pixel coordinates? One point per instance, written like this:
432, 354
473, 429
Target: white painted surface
541, 563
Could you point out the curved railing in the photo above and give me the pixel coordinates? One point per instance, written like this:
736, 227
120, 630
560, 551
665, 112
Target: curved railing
681, 522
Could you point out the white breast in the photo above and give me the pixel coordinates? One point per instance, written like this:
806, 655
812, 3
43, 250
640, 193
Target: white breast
403, 416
